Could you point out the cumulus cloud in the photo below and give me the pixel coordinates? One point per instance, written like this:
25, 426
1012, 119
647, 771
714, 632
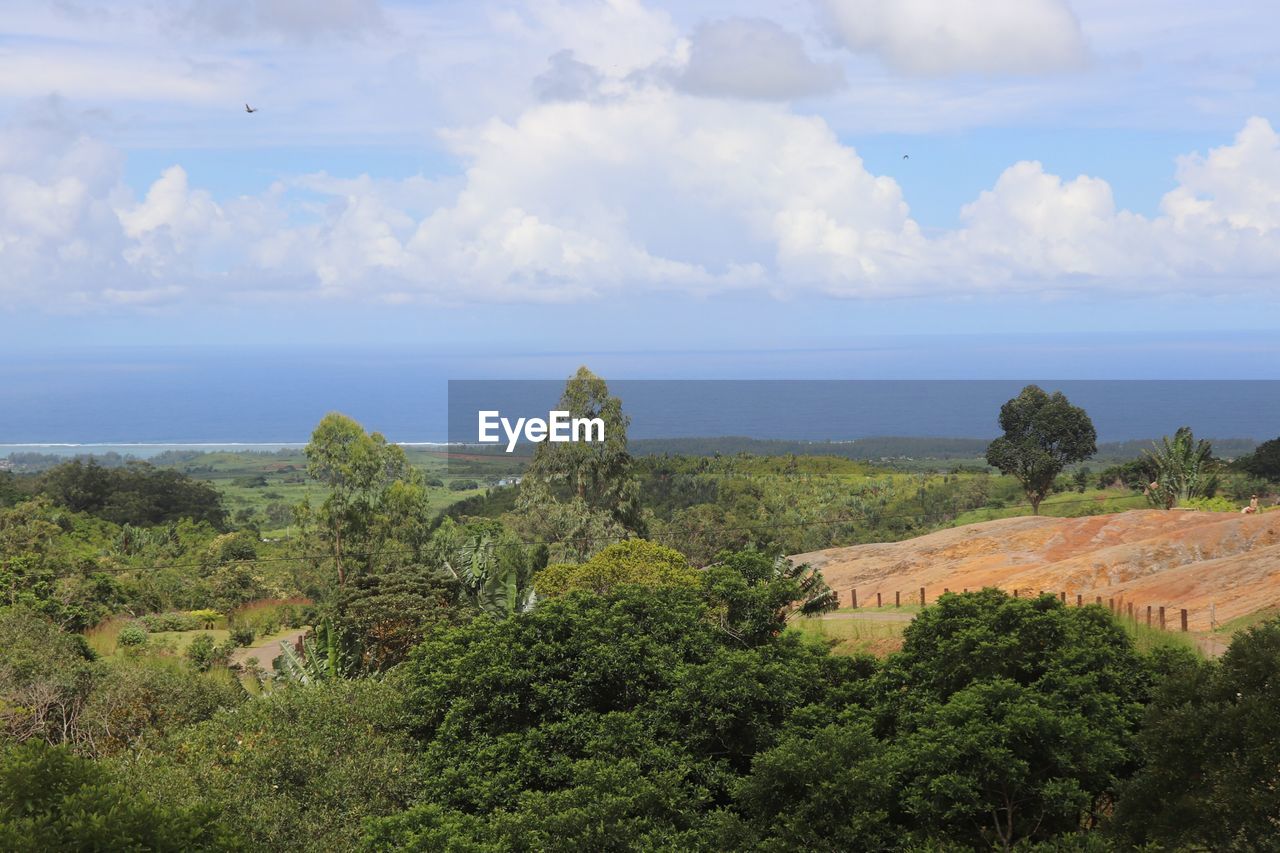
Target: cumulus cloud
940, 37
649, 191
754, 58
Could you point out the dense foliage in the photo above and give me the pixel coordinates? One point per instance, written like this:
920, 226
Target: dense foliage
547, 678
53, 800
137, 493
1043, 433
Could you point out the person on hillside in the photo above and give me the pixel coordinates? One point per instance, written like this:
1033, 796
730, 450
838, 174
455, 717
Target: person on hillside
1252, 507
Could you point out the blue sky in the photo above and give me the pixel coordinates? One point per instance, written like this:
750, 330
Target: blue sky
625, 176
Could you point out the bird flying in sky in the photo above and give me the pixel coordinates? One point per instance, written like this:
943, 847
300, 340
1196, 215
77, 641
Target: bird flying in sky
249, 109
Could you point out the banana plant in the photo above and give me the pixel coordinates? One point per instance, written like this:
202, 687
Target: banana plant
495, 586
317, 662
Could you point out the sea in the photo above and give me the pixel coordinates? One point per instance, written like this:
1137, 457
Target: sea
147, 399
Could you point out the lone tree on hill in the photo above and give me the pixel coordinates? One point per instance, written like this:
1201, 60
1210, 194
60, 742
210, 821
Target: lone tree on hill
1043, 434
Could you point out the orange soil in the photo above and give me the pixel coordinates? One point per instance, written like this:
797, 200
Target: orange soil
1224, 564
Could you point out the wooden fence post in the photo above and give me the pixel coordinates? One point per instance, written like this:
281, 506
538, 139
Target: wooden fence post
1161, 618
1079, 600
1015, 592
922, 596
1111, 605
1148, 615
878, 604
1184, 619
1099, 601
854, 593
1063, 596
1130, 613
897, 599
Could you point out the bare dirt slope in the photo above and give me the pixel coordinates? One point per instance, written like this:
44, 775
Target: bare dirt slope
1227, 564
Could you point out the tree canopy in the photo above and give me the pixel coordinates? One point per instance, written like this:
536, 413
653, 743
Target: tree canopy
1043, 433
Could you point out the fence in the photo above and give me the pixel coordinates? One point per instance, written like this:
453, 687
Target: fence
1157, 616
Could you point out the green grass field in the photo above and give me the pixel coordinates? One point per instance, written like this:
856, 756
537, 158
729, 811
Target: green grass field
264, 487
1062, 505
853, 636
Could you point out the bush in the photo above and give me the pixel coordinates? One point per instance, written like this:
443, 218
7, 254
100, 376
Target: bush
139, 697
635, 562
299, 768
463, 485
1218, 504
242, 635
203, 652
132, 635
52, 800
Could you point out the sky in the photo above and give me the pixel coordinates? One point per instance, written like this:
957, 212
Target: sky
627, 176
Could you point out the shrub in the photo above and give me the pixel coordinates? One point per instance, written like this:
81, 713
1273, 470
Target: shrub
137, 697
203, 652
242, 635
52, 800
635, 562
1218, 504
132, 635
463, 485
299, 768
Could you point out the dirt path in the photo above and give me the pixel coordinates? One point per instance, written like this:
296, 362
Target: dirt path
266, 650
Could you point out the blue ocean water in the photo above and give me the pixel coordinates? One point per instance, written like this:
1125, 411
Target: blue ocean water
225, 395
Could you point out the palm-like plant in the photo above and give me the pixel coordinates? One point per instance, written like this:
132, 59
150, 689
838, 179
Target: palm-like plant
317, 662
815, 596
495, 586
1183, 469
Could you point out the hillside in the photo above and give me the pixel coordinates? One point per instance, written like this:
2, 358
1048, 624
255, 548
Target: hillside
1218, 566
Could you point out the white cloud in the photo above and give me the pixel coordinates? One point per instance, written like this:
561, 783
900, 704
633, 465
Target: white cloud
939, 37
651, 190
754, 58
1237, 186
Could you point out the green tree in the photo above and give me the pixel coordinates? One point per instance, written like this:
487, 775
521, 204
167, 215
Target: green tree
360, 470
597, 473
46, 676
635, 562
1043, 434
753, 595
297, 769
1264, 461
1183, 469
387, 612
1210, 777
52, 800
602, 723
1013, 719
493, 570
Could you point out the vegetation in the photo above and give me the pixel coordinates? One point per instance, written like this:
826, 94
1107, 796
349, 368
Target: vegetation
614, 655
1043, 434
1182, 468
1264, 462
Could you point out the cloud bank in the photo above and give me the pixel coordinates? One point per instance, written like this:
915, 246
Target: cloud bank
648, 191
